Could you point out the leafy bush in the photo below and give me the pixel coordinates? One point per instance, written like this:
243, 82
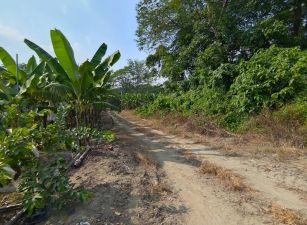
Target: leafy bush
45, 184
32, 153
232, 93
134, 100
223, 77
271, 78
211, 57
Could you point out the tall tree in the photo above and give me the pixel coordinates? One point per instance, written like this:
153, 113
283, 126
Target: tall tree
177, 32
134, 76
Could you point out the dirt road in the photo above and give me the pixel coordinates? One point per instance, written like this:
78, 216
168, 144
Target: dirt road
275, 195
147, 177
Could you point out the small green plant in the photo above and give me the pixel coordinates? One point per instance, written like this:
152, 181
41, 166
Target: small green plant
45, 184
6, 173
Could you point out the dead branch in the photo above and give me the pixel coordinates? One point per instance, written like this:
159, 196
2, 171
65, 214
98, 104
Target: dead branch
10, 207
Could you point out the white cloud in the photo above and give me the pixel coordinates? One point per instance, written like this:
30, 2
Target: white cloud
77, 47
11, 33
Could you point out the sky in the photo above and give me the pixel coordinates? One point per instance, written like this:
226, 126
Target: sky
86, 24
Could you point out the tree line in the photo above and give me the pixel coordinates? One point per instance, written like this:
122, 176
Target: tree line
227, 60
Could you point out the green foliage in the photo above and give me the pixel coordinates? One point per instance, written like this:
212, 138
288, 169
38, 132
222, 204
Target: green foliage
6, 172
16, 146
134, 100
270, 78
200, 101
134, 85
32, 153
107, 135
212, 57
30, 146
232, 92
200, 35
84, 87
296, 111
133, 77
45, 184
222, 78
10, 65
86, 133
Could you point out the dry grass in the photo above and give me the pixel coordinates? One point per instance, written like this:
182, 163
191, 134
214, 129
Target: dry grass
278, 127
192, 158
144, 160
157, 186
286, 216
161, 187
198, 128
231, 180
195, 124
10, 198
280, 153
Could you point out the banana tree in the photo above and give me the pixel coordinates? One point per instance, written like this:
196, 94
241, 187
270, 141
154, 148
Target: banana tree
33, 80
8, 77
84, 86
10, 67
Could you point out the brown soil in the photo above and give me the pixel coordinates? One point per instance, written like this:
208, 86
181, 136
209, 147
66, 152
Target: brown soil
149, 177
207, 201
273, 192
127, 188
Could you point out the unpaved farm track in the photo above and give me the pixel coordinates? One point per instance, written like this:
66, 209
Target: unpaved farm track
208, 202
149, 178
127, 189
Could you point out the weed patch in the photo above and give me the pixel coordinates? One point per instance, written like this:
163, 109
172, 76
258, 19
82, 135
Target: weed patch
231, 180
286, 216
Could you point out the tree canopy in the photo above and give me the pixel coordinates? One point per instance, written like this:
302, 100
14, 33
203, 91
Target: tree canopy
182, 34
133, 76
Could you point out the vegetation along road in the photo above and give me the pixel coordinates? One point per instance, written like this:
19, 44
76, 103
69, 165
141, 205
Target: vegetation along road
209, 128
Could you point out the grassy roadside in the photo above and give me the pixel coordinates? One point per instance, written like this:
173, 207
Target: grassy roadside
254, 139
229, 179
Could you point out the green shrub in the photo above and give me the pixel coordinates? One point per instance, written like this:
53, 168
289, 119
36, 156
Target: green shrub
32, 153
45, 184
134, 100
271, 78
296, 111
209, 101
200, 101
223, 77
231, 94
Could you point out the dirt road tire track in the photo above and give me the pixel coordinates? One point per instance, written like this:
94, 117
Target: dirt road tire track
206, 206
